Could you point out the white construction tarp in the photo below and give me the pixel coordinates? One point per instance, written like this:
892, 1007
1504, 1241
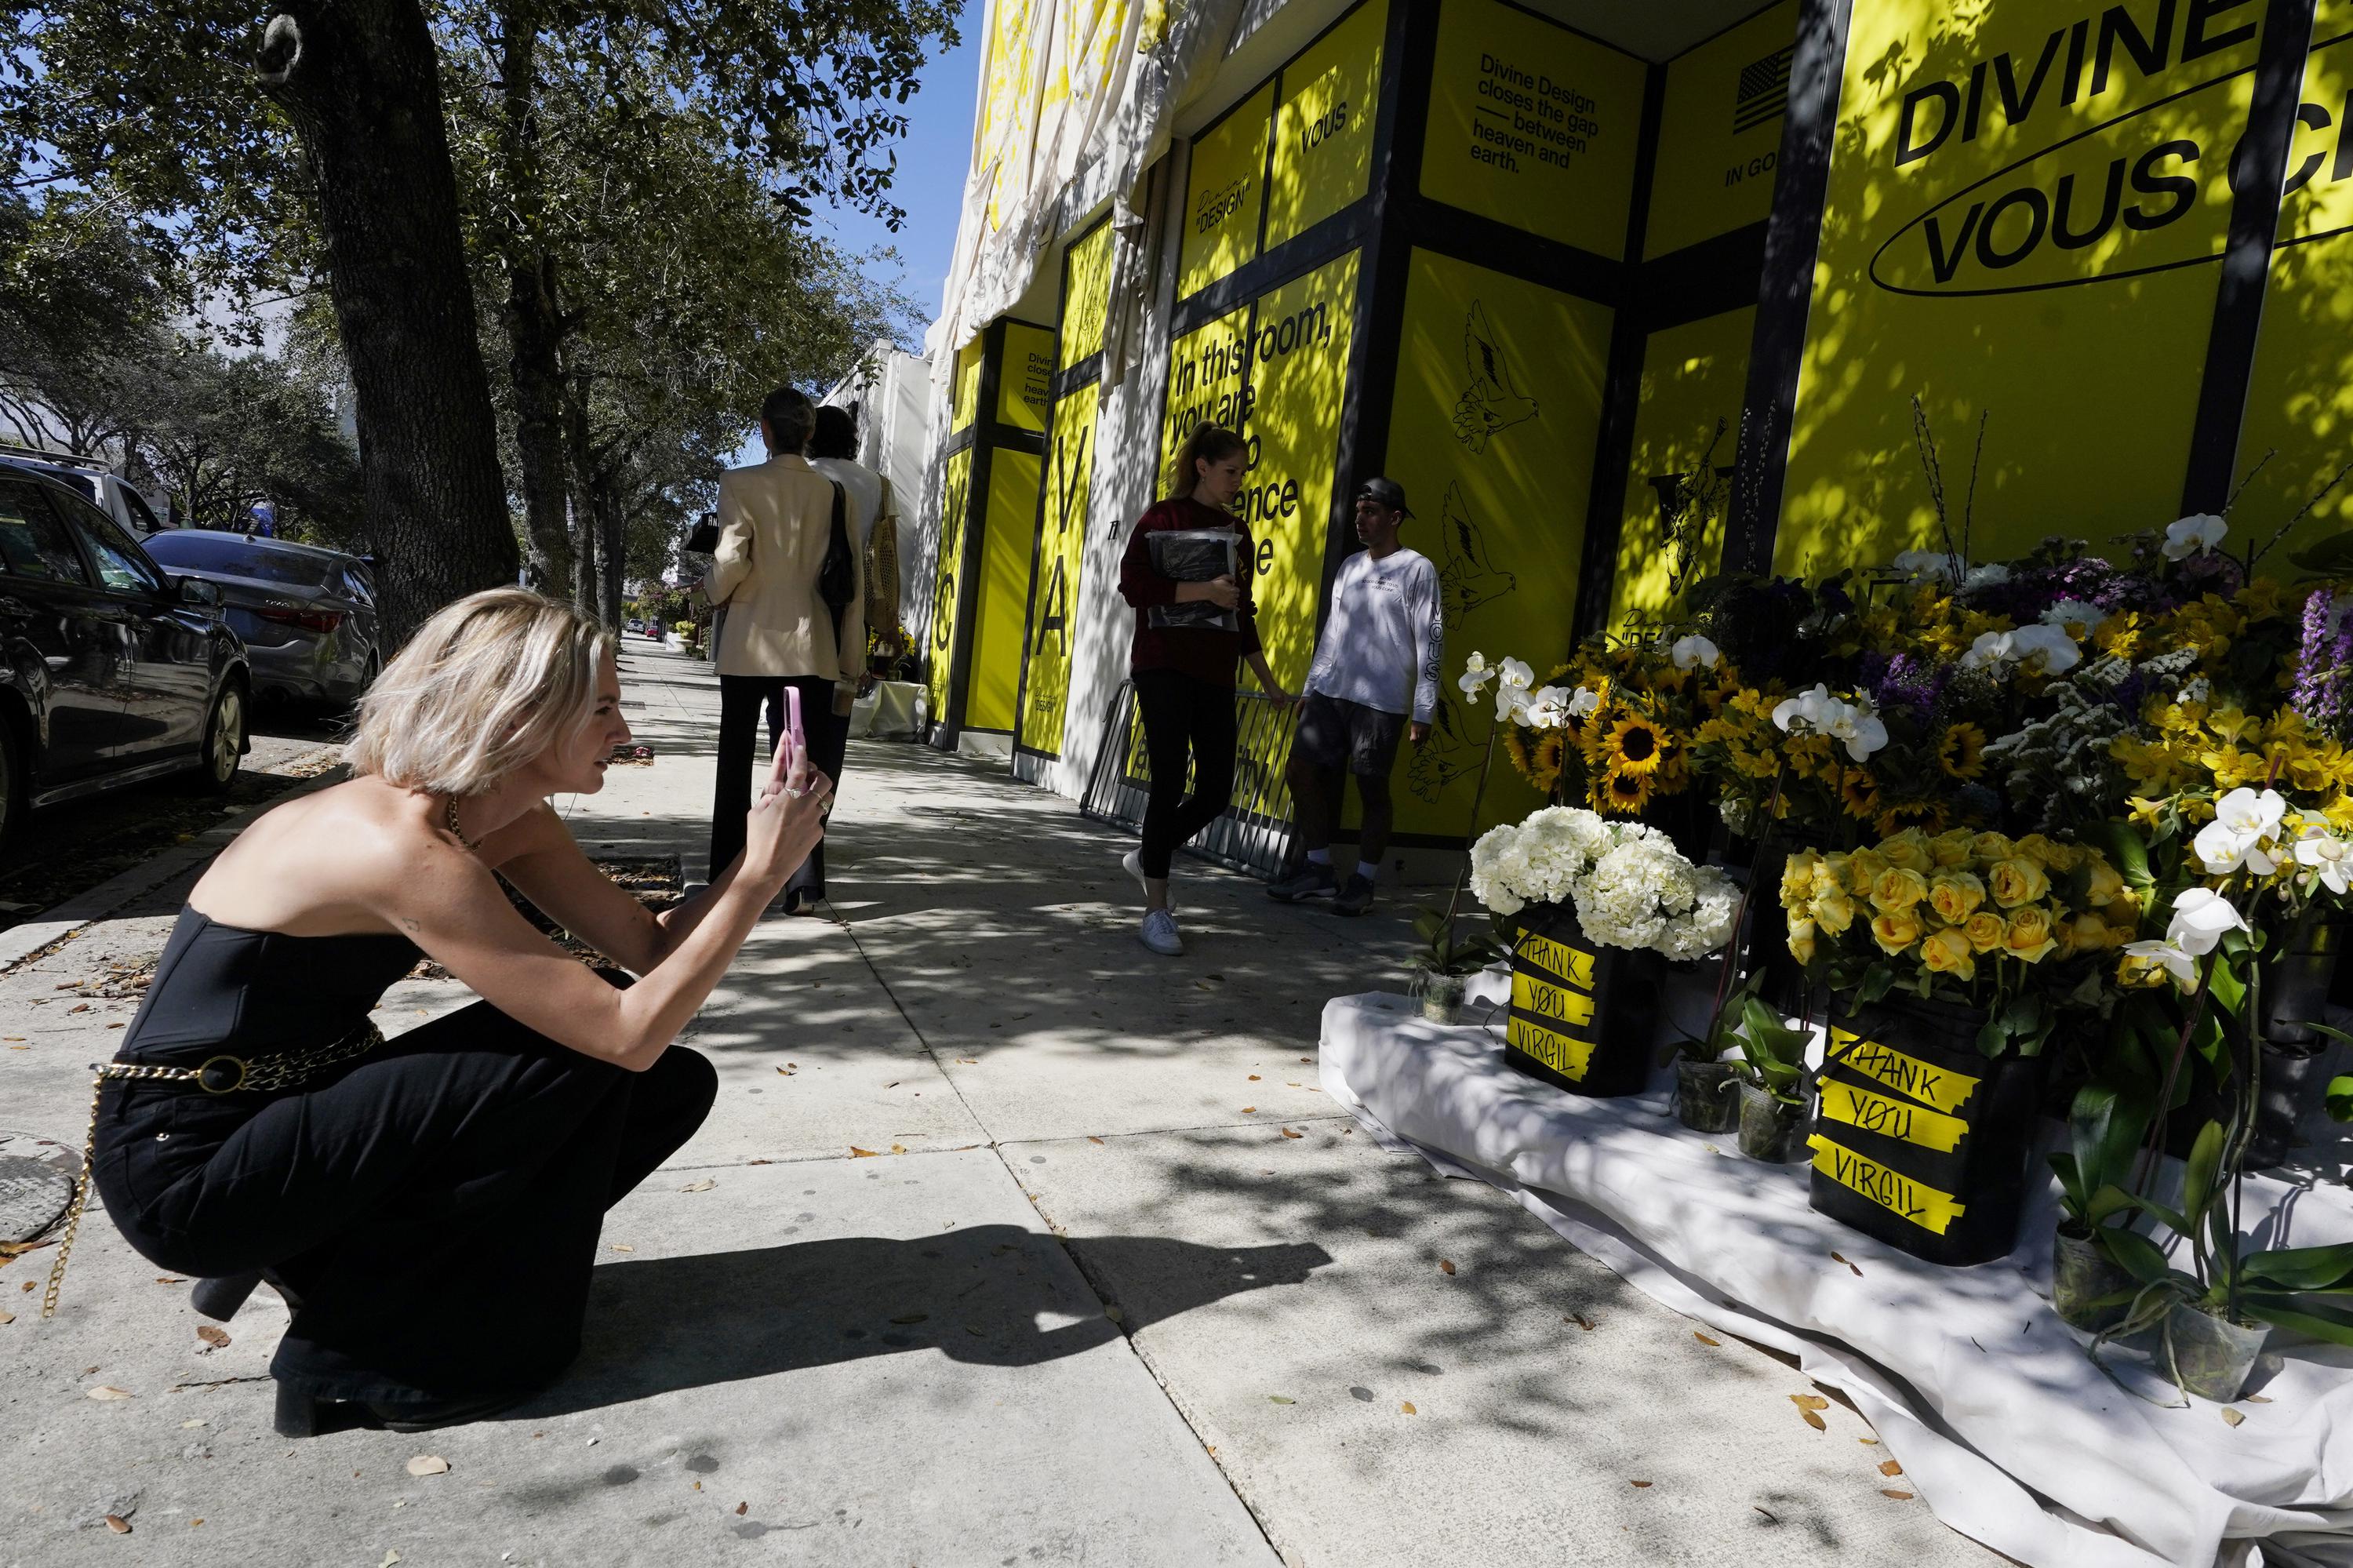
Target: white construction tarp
2001, 1422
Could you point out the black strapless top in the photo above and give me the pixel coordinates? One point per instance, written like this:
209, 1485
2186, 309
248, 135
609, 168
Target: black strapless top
223, 988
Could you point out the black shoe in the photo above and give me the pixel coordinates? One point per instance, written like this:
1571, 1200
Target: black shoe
1310, 881
301, 1415
1356, 895
218, 1298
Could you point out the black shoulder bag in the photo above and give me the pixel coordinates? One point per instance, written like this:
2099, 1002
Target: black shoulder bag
836, 578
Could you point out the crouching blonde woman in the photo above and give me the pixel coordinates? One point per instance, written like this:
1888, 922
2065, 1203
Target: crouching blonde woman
429, 1205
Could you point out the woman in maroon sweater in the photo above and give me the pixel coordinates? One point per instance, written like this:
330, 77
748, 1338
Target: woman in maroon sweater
1184, 674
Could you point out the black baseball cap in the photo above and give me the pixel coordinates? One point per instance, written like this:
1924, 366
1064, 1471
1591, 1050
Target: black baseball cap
1386, 493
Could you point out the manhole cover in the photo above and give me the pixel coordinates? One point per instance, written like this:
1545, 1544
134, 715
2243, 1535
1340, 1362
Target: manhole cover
33, 1197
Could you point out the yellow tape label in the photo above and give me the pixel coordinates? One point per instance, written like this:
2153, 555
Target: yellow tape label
1562, 959
1915, 1125
1564, 1053
1553, 1003
1891, 1190
1938, 1087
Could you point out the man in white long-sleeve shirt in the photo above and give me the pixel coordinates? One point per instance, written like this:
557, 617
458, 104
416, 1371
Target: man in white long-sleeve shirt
1377, 661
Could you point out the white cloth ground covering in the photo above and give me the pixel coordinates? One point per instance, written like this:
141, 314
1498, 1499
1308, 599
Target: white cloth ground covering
2001, 1422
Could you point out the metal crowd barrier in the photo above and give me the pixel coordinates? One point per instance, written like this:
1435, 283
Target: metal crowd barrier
1253, 834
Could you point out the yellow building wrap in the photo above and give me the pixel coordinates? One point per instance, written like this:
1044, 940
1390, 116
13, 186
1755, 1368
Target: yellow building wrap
1533, 125
1025, 380
955, 507
1492, 432
1685, 428
1086, 298
1225, 193
2025, 213
1324, 125
1207, 385
1007, 542
1720, 132
2300, 396
1061, 556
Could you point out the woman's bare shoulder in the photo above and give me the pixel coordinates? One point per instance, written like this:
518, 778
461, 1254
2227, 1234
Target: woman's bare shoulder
334, 860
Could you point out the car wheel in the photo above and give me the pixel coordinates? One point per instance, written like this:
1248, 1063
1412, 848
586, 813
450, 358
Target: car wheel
223, 741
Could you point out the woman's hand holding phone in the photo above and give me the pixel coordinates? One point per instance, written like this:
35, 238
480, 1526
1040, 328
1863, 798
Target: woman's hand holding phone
788, 820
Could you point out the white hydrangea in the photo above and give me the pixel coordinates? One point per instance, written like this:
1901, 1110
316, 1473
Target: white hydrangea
1630, 884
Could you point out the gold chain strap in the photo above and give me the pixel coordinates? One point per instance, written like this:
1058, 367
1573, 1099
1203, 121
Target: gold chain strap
277, 1071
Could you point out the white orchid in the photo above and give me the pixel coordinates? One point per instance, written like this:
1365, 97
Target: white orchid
1816, 712
1547, 708
2241, 833
1513, 678
2201, 917
1516, 672
1990, 576
1695, 651
2074, 612
1475, 675
2049, 643
2174, 960
1925, 566
2193, 535
1812, 709
2328, 858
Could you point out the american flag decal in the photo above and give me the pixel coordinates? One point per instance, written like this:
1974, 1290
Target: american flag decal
1764, 90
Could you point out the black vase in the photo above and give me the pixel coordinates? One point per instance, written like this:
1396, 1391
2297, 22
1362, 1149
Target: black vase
2296, 986
1583, 1016
1920, 1141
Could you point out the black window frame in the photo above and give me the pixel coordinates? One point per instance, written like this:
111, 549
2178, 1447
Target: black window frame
36, 489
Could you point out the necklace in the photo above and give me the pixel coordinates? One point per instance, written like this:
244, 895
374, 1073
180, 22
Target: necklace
450, 819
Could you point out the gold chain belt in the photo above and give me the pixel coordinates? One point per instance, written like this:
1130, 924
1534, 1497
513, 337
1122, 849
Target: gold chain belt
222, 1075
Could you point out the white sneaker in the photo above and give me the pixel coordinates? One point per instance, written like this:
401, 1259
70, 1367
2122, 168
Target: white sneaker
1159, 933
1132, 863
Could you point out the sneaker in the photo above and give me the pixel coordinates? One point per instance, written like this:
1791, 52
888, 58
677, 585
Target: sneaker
1159, 933
1310, 881
1356, 895
1132, 863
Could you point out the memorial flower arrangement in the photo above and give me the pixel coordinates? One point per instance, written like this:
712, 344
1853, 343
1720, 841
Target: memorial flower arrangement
1613, 728
1631, 887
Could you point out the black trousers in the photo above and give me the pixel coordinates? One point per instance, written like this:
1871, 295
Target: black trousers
433, 1210
1186, 719
741, 700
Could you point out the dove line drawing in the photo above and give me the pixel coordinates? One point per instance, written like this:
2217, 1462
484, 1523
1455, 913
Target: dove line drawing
1466, 578
1491, 402
1442, 758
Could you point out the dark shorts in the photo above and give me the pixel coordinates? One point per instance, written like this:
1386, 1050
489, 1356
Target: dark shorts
1333, 732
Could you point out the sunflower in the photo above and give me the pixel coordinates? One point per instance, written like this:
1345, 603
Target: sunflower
1634, 745
1858, 792
1544, 769
1929, 816
1960, 751
1516, 747
1620, 794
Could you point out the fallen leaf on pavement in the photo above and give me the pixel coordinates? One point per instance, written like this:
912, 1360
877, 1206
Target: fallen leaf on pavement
2232, 1416
107, 1392
1278, 1399
1446, 1265
77, 1007
621, 1247
1836, 1258
1092, 1139
1407, 1409
199, 1420
975, 1333
1868, 1441
390, 1557
1890, 1467
969, 1061
910, 1318
216, 1338
1815, 1421
1117, 1314
1704, 1340
742, 1509
169, 1279
1254, 1077
1810, 1402
1638, 1483
1288, 1133
1891, 1492
8, 1316
898, 1148
1250, 1110
117, 1523
703, 1186
429, 1465
784, 1072
2258, 1399
1580, 1318
858, 1153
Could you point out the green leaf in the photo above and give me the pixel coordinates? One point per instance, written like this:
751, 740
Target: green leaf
1876, 981
2328, 1323
2134, 1253
2199, 1171
2339, 1099
2106, 1205
2227, 987
2304, 1267
2173, 1219
2124, 850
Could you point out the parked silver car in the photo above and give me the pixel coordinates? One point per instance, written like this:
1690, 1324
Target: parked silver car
308, 615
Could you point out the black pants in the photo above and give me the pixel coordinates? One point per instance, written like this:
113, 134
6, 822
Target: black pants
433, 1210
1183, 717
740, 699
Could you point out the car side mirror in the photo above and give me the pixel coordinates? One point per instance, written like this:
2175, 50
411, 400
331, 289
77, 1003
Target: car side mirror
196, 591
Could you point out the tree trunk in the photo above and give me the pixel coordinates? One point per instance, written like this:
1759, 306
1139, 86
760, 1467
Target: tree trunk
536, 326
612, 550
581, 462
361, 82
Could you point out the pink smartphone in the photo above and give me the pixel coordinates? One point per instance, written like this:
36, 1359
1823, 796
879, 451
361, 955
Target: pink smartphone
795, 745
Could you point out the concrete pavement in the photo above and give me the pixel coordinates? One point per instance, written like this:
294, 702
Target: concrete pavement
996, 1250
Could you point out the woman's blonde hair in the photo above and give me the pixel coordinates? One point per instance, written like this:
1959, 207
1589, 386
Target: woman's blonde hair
485, 686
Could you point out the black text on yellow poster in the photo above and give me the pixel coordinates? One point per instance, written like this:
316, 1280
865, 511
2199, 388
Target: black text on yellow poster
1225, 195
1086, 297
1720, 134
1007, 545
1208, 385
2026, 216
1025, 378
2300, 398
1061, 550
1497, 406
1533, 125
954, 516
1679, 479
964, 390
1323, 127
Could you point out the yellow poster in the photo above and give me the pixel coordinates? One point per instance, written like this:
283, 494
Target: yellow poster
2027, 205
1679, 481
964, 392
2300, 396
1533, 125
1224, 195
1497, 407
1720, 132
1007, 542
1086, 297
955, 506
1207, 385
1025, 380
1061, 552
1323, 129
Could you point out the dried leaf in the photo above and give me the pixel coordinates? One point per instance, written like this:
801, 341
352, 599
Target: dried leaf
910, 1318
1810, 1402
1890, 1467
215, 1337
1250, 1110
1891, 1492
390, 1557
742, 1509
1115, 1313
169, 1279
1580, 1319
8, 1316
2258, 1399
117, 1523
199, 1420
1704, 1340
858, 1153
105, 1392
975, 1333
1288, 1133
1407, 1409
898, 1148
77, 1007
1814, 1421
429, 1465
1868, 1441
2232, 1416
620, 1246
703, 1186
784, 1072
969, 1061
1279, 1399
1446, 1265
1836, 1258
1092, 1139
1254, 1077
1638, 1483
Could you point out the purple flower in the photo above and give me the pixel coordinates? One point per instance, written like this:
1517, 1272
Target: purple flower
2324, 666
1906, 682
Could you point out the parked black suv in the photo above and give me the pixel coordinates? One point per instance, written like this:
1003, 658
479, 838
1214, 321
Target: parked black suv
111, 670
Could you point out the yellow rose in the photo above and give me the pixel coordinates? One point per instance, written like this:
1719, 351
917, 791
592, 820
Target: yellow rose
1954, 896
1908, 851
1833, 913
1798, 879
1897, 888
2106, 885
1953, 848
1801, 940
2088, 933
2046, 852
1830, 874
2029, 937
2017, 881
1895, 930
1985, 929
1863, 869
1948, 952
2135, 972
1990, 847
2123, 913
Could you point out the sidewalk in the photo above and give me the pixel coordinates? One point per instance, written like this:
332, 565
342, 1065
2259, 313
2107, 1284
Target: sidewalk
1007, 1243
